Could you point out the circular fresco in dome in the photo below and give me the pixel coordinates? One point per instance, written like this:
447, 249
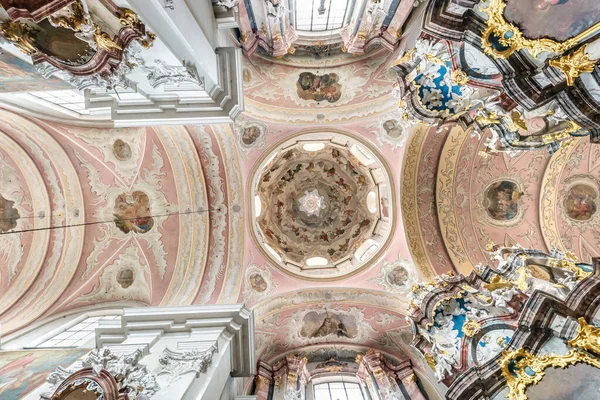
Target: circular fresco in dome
316, 212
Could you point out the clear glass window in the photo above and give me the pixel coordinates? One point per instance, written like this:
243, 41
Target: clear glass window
338, 391
77, 335
320, 15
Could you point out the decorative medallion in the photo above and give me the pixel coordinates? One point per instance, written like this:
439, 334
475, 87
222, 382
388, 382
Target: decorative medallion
579, 201
502, 203
397, 276
251, 135
312, 203
258, 282
121, 150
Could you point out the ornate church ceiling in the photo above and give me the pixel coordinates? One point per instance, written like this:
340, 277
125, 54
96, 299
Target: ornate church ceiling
322, 205
153, 216
281, 209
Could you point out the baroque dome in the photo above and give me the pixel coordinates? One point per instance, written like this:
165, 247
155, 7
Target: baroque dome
321, 205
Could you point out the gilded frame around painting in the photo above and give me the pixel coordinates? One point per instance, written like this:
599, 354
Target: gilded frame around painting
501, 38
522, 369
519, 380
511, 37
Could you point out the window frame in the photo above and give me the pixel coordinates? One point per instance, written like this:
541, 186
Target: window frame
345, 378
36, 343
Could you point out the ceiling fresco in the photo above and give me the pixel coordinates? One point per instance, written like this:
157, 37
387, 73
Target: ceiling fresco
162, 208
322, 205
336, 89
534, 199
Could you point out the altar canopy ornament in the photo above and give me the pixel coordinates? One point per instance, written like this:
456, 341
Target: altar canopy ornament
511, 132
454, 314
84, 44
501, 38
433, 89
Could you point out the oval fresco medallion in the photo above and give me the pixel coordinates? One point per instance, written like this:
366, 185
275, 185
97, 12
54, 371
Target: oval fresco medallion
121, 150
316, 324
319, 87
580, 202
392, 128
258, 283
250, 134
501, 201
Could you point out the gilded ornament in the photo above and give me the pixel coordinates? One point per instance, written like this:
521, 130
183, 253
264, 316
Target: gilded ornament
21, 35
588, 337
104, 41
497, 282
510, 38
574, 64
129, 18
471, 328
522, 369
434, 59
406, 57
74, 21
516, 121
430, 361
459, 77
555, 137
490, 119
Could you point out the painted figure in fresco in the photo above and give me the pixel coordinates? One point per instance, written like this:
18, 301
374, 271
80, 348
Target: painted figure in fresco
331, 326
326, 323
557, 19
580, 203
8, 215
125, 277
501, 200
258, 283
398, 276
392, 128
246, 75
250, 134
132, 212
319, 87
121, 150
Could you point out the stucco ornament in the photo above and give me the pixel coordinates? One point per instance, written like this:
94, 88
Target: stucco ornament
450, 311
164, 74
176, 363
312, 203
233, 4
397, 276
125, 368
432, 90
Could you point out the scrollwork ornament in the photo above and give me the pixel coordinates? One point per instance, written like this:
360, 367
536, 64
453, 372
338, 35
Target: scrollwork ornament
574, 64
22, 35
588, 337
176, 363
131, 376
